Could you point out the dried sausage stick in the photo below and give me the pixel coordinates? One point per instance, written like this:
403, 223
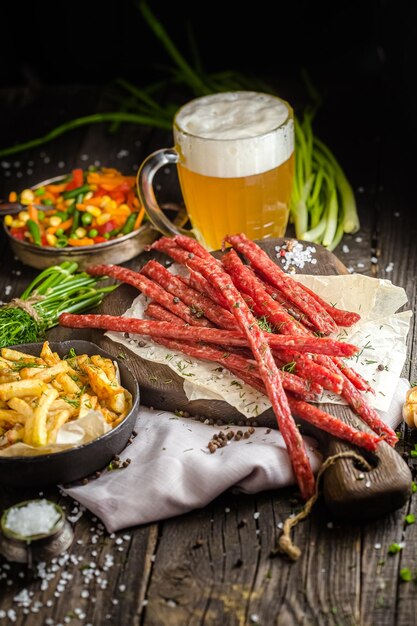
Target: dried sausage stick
198, 282
246, 281
150, 289
291, 308
160, 313
197, 301
355, 378
269, 372
238, 365
191, 245
310, 390
340, 316
289, 287
360, 406
333, 425
306, 368
193, 333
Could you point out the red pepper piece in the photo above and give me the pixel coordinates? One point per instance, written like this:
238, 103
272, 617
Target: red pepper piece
77, 180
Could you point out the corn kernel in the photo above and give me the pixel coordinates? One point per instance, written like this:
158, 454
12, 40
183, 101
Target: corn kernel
93, 187
68, 203
80, 232
124, 207
23, 216
12, 196
51, 239
17, 224
8, 220
103, 218
27, 196
88, 195
104, 201
55, 220
93, 210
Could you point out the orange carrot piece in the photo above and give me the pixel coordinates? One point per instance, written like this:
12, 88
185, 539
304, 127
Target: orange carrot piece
139, 218
51, 230
33, 213
85, 241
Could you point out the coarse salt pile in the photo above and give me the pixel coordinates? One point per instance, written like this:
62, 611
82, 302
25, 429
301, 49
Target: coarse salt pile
35, 518
293, 254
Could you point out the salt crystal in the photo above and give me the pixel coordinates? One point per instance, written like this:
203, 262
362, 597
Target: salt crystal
61, 164
122, 153
329, 524
358, 239
377, 546
122, 588
345, 249
256, 515
34, 518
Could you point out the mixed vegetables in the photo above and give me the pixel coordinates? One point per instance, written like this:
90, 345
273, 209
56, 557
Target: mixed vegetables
87, 208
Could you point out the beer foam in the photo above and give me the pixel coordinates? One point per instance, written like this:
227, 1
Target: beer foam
230, 135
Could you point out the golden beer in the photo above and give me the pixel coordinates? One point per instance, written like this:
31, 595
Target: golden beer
256, 205
236, 162
235, 157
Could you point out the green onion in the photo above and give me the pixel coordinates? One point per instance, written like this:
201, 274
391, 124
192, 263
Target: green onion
56, 290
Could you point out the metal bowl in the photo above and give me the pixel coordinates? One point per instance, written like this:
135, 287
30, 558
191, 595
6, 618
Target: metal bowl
76, 463
115, 251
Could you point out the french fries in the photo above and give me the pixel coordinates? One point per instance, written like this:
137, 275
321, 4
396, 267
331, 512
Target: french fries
38, 395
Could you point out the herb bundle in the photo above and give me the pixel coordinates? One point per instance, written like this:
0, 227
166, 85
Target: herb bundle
57, 289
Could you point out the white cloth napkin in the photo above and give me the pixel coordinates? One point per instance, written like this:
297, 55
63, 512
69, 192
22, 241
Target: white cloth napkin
172, 471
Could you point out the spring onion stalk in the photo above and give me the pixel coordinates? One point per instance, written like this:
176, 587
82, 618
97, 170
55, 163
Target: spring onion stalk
323, 205
58, 289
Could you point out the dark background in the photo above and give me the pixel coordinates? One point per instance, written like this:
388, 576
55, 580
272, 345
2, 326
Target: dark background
93, 42
360, 56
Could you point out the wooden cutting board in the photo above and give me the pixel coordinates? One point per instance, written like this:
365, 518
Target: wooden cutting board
349, 491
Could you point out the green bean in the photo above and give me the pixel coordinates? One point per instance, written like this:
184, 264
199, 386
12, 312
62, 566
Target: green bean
33, 228
67, 195
129, 224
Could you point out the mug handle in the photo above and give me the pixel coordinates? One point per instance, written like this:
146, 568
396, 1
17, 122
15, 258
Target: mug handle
144, 183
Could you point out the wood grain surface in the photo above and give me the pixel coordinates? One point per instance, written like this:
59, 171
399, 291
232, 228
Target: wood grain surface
220, 565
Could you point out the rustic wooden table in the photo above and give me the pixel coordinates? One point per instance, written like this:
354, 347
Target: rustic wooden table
219, 565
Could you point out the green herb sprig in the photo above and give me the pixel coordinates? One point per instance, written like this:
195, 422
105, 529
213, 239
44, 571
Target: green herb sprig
57, 289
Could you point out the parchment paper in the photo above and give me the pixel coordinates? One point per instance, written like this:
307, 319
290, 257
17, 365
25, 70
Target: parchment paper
380, 335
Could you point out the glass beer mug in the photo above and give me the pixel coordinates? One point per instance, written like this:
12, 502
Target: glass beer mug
235, 157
